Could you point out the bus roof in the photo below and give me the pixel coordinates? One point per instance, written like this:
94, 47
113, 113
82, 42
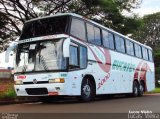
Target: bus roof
79, 16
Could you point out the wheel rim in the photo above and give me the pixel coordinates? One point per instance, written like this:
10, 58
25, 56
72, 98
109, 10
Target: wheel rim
135, 90
86, 90
141, 89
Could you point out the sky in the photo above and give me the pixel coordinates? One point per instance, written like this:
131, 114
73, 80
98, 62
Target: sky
148, 7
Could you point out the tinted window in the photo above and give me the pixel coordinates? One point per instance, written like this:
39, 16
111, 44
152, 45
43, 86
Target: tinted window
44, 27
129, 47
93, 34
150, 55
138, 51
97, 36
73, 56
120, 44
145, 53
83, 57
90, 33
78, 29
78, 56
108, 40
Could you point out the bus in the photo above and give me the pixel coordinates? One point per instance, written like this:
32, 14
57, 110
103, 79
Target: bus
69, 55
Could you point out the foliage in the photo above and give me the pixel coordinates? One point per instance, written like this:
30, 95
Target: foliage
3, 29
149, 31
16, 12
157, 66
157, 53
156, 90
7, 89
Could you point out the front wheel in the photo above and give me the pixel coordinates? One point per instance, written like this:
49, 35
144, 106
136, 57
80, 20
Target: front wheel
87, 90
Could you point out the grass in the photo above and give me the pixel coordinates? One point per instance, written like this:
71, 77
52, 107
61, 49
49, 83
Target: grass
156, 90
7, 89
10, 93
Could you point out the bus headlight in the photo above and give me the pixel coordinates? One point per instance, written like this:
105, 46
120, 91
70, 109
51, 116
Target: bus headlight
57, 80
18, 82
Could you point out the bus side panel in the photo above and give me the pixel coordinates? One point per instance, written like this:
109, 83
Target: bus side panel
150, 77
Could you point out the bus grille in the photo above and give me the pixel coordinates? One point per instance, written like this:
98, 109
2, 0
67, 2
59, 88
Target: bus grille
39, 82
36, 91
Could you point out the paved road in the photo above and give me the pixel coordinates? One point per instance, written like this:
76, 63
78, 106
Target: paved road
72, 109
114, 105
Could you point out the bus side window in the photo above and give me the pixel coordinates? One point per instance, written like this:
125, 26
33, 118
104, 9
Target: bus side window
138, 51
97, 36
93, 34
111, 41
90, 33
129, 48
145, 53
78, 56
150, 55
78, 29
119, 44
83, 57
73, 59
108, 39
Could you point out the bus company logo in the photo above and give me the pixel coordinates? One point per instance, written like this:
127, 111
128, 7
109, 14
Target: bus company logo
103, 81
123, 66
34, 81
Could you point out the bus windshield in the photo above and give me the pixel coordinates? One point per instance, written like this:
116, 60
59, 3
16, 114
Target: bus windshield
40, 56
44, 27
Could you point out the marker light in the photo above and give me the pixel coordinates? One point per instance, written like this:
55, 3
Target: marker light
57, 80
18, 82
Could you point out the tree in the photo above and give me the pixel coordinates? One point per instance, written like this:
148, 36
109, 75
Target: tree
149, 31
4, 34
108, 11
149, 34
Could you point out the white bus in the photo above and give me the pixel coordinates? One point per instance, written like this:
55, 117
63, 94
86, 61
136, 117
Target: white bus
69, 55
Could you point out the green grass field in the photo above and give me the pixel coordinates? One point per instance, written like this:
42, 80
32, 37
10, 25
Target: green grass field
156, 90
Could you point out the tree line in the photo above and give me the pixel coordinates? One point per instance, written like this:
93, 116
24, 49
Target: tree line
14, 13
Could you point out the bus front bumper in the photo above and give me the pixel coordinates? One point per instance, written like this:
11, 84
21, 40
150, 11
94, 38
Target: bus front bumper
40, 90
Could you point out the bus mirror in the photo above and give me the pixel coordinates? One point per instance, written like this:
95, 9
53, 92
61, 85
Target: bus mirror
6, 56
8, 51
66, 45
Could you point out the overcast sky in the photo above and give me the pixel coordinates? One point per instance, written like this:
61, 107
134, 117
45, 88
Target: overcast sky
148, 7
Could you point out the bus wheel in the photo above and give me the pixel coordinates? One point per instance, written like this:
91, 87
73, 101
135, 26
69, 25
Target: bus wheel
135, 89
141, 89
87, 90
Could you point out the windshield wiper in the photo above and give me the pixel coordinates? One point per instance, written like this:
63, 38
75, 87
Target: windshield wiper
43, 62
24, 69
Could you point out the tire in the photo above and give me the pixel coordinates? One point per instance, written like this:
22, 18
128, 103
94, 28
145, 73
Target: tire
87, 90
135, 89
141, 89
